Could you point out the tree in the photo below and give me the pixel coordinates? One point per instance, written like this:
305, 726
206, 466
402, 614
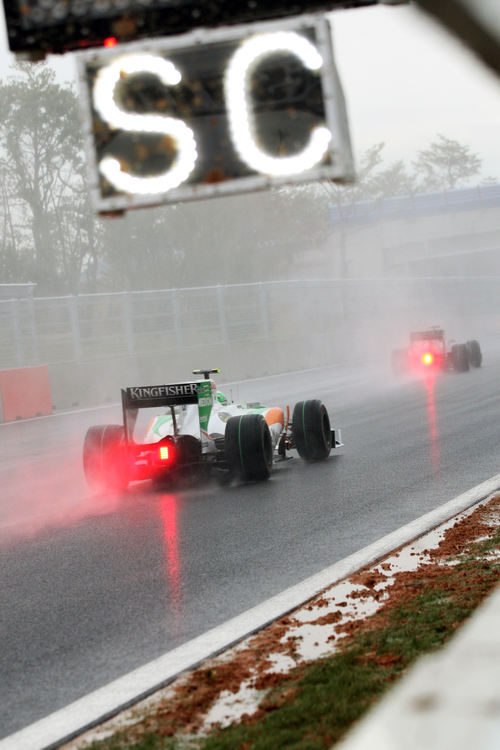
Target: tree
44, 189
233, 239
346, 196
393, 181
374, 181
255, 237
445, 165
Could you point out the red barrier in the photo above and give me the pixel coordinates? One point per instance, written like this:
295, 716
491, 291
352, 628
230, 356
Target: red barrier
25, 392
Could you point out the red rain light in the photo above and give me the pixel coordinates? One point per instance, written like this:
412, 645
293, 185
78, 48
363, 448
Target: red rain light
163, 453
427, 358
110, 41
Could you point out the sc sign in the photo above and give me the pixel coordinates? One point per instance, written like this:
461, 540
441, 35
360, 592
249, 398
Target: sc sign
213, 113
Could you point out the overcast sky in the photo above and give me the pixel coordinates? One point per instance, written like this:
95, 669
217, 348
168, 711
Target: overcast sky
405, 80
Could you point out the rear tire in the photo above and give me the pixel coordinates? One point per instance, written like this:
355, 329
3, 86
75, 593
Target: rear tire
248, 447
104, 458
459, 358
311, 430
188, 450
474, 352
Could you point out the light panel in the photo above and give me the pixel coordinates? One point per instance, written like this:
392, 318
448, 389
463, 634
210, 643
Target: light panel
38, 27
217, 113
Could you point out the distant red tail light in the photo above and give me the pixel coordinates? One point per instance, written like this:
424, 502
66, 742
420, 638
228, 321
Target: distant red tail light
427, 359
110, 41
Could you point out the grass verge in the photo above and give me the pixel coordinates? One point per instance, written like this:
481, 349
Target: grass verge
314, 705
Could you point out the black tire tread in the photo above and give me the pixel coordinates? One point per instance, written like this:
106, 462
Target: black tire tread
311, 430
460, 357
248, 447
475, 353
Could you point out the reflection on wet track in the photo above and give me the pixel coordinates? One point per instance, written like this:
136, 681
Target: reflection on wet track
168, 509
93, 586
429, 382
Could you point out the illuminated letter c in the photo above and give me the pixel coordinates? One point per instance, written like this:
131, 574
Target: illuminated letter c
240, 115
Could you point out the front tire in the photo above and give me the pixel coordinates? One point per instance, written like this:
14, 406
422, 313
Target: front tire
248, 447
459, 358
104, 458
311, 430
474, 352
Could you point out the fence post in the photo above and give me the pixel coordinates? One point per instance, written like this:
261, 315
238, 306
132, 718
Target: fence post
14, 311
177, 318
127, 323
264, 310
300, 290
75, 328
34, 337
222, 314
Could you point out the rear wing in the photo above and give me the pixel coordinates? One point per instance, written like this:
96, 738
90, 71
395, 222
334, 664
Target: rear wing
433, 333
168, 394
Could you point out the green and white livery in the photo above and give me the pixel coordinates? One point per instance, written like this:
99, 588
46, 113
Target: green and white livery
194, 428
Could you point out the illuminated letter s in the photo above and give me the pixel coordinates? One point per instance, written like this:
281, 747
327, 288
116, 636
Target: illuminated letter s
104, 103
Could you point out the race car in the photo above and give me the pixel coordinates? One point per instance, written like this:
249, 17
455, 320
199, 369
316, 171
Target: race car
177, 429
428, 352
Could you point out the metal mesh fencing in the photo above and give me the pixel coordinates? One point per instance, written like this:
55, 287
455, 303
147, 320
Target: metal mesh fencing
52, 330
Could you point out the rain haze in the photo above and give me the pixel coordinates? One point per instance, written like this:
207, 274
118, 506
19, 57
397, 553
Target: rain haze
299, 292
410, 86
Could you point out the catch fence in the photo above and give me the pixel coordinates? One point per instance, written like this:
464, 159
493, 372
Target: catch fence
250, 329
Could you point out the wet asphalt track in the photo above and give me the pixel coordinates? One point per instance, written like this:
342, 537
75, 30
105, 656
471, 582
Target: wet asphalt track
92, 587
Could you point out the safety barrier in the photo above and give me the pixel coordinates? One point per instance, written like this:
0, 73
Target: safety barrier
24, 393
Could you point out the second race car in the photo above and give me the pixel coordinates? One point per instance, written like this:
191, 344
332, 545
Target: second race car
176, 429
428, 352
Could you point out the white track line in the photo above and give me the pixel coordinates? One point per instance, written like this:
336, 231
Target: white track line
59, 414
93, 709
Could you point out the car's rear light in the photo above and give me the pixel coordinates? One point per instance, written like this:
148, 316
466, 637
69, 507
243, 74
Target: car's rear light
427, 359
164, 453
